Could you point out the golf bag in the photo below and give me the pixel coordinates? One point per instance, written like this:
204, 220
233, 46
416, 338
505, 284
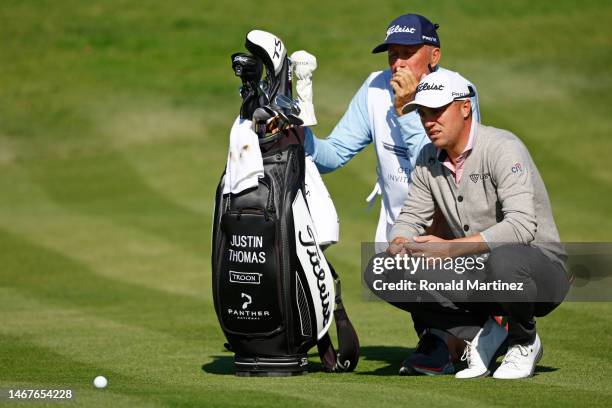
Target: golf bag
275, 294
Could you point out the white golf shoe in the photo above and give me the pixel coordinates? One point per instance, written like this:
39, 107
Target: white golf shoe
520, 361
480, 351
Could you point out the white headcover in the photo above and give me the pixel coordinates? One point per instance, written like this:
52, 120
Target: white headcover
273, 46
304, 64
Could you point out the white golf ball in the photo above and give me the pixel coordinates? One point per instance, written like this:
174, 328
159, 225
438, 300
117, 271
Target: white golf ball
100, 382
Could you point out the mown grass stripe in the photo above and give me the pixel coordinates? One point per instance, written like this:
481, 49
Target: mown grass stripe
105, 185
52, 276
143, 259
130, 349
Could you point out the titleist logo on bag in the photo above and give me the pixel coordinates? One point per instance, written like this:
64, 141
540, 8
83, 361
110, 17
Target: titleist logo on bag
314, 264
317, 270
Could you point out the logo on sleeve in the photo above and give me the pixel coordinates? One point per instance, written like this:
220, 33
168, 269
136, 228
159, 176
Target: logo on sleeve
517, 168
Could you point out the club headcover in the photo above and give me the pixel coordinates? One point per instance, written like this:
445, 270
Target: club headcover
268, 47
249, 68
272, 52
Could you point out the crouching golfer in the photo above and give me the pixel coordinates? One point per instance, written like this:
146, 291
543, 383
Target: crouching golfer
492, 196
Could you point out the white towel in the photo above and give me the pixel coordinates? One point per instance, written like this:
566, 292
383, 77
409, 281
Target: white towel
371, 200
385, 220
321, 206
245, 167
244, 162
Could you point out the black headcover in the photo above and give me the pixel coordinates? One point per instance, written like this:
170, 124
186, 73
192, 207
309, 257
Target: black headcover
249, 69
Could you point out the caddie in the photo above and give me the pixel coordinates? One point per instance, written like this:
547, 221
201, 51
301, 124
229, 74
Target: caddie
374, 116
491, 194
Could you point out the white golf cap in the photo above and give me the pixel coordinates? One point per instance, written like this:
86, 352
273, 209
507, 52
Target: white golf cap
439, 89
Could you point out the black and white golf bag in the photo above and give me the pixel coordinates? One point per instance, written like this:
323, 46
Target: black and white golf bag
275, 294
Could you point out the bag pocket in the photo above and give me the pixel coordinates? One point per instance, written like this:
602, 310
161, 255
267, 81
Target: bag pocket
249, 283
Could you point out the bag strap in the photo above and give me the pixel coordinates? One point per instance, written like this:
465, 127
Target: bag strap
347, 357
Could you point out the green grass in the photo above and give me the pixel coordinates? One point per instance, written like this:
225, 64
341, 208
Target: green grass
114, 120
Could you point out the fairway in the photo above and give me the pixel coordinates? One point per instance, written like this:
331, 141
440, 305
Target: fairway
114, 124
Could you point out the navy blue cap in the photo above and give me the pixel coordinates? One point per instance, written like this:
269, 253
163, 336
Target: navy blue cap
410, 29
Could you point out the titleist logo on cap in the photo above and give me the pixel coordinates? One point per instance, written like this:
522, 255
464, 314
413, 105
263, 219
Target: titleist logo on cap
400, 29
429, 87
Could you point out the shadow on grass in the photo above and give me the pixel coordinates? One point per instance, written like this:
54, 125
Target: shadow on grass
223, 365
538, 370
392, 356
544, 369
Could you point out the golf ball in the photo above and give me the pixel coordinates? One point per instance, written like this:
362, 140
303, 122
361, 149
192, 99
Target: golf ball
100, 382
